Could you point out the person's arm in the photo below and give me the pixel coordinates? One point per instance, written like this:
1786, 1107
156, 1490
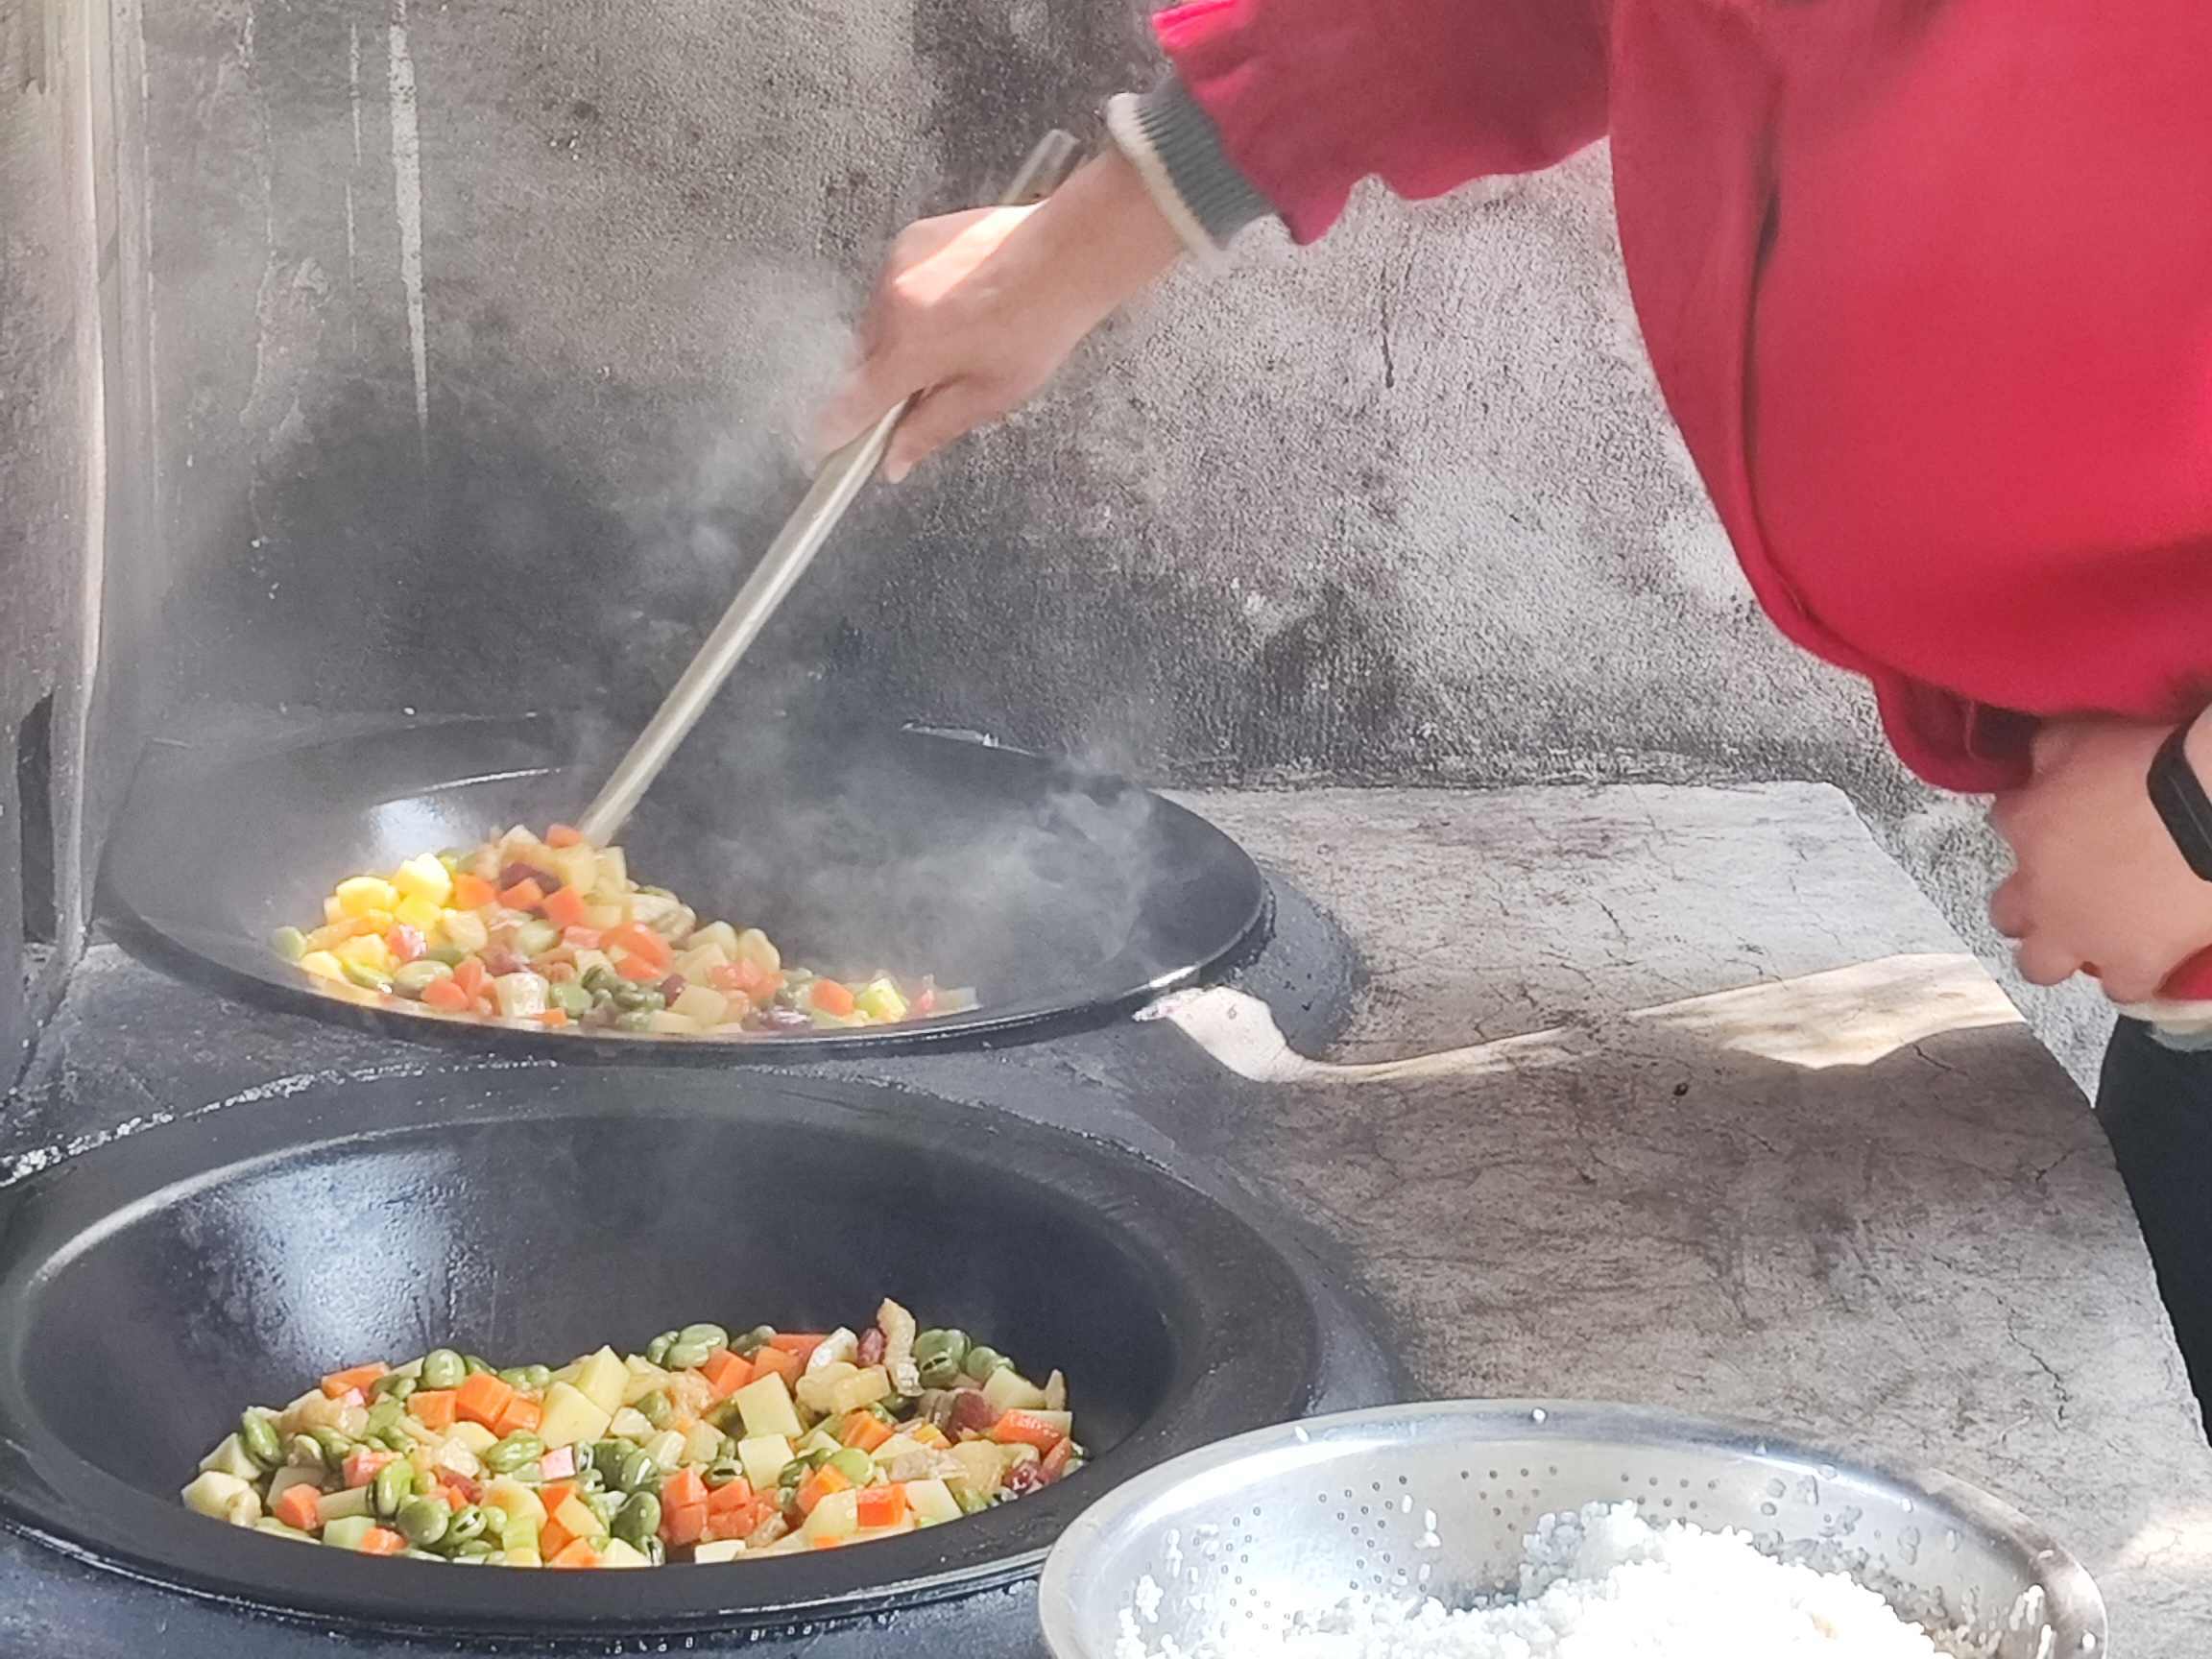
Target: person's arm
1272, 105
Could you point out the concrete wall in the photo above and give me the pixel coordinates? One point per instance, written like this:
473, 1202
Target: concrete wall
481, 331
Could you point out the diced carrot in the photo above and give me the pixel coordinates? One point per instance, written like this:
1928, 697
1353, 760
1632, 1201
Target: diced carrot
827, 1541
683, 1487
565, 907
380, 1541
726, 1373
432, 1407
779, 1361
361, 1465
481, 1398
724, 977
455, 1499
866, 1431
818, 1486
1057, 1460
577, 1552
882, 1505
799, 1342
641, 941
471, 892
1025, 1428
736, 1495
524, 894
296, 1507
831, 998
405, 943
359, 1377
564, 836
470, 975
638, 968
520, 1416
684, 1523
737, 1523
553, 1019
446, 993
552, 1539
555, 1493
581, 938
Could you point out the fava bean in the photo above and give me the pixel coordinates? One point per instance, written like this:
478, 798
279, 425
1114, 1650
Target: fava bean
657, 1409
393, 1485
721, 1473
854, 1464
753, 1340
511, 1453
442, 1368
687, 1356
259, 1438
636, 1470
392, 1385
950, 1342
334, 1446
424, 1521
657, 1350
637, 1520
983, 1361
466, 1525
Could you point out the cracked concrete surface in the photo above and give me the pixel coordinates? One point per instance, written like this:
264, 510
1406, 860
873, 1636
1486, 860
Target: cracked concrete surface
1926, 1257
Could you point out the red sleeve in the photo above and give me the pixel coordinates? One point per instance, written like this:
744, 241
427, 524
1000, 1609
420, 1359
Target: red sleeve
1312, 96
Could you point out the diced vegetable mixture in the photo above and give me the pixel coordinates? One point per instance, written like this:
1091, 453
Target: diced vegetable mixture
555, 932
708, 1447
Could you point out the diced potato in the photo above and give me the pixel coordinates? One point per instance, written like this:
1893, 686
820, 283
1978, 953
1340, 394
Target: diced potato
366, 950
897, 1446
602, 1378
456, 1457
630, 1424
756, 948
836, 1516
702, 1003
323, 965
587, 960
869, 1534
717, 1550
980, 1465
670, 1025
577, 867
763, 1457
617, 1553
932, 1501
765, 1406
861, 1389
517, 1500
570, 1416
229, 1459
348, 1531
613, 871
579, 1518
222, 1497
519, 1558
690, 1391
423, 877
604, 916
275, 1528
702, 1444
464, 931
716, 936
473, 1435
881, 999
422, 915
520, 994
358, 895
344, 1504
1009, 1391
819, 1438
816, 1388
666, 1450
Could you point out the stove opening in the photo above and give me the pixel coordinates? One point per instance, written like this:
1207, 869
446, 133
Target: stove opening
35, 814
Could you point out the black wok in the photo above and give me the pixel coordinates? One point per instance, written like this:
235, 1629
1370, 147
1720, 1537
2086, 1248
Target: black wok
1065, 897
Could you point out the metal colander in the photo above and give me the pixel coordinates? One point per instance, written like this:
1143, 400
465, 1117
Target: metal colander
1434, 1500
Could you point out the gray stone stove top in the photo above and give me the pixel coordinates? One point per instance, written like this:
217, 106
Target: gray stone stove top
1678, 1095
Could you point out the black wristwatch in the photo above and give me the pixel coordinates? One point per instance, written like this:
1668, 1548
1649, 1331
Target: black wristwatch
2178, 794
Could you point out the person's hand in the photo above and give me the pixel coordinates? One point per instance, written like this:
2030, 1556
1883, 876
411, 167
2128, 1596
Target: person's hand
976, 311
2100, 887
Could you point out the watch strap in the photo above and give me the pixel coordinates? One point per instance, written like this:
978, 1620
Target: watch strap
2179, 795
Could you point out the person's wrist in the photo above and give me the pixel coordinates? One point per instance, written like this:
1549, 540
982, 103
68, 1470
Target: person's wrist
1102, 238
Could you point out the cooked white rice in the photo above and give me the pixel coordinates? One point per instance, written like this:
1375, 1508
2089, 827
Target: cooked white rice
1602, 1584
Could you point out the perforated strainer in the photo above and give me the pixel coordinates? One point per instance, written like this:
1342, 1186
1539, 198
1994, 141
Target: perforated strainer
1434, 1500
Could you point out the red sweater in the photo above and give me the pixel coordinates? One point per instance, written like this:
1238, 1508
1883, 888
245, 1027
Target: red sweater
1928, 284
